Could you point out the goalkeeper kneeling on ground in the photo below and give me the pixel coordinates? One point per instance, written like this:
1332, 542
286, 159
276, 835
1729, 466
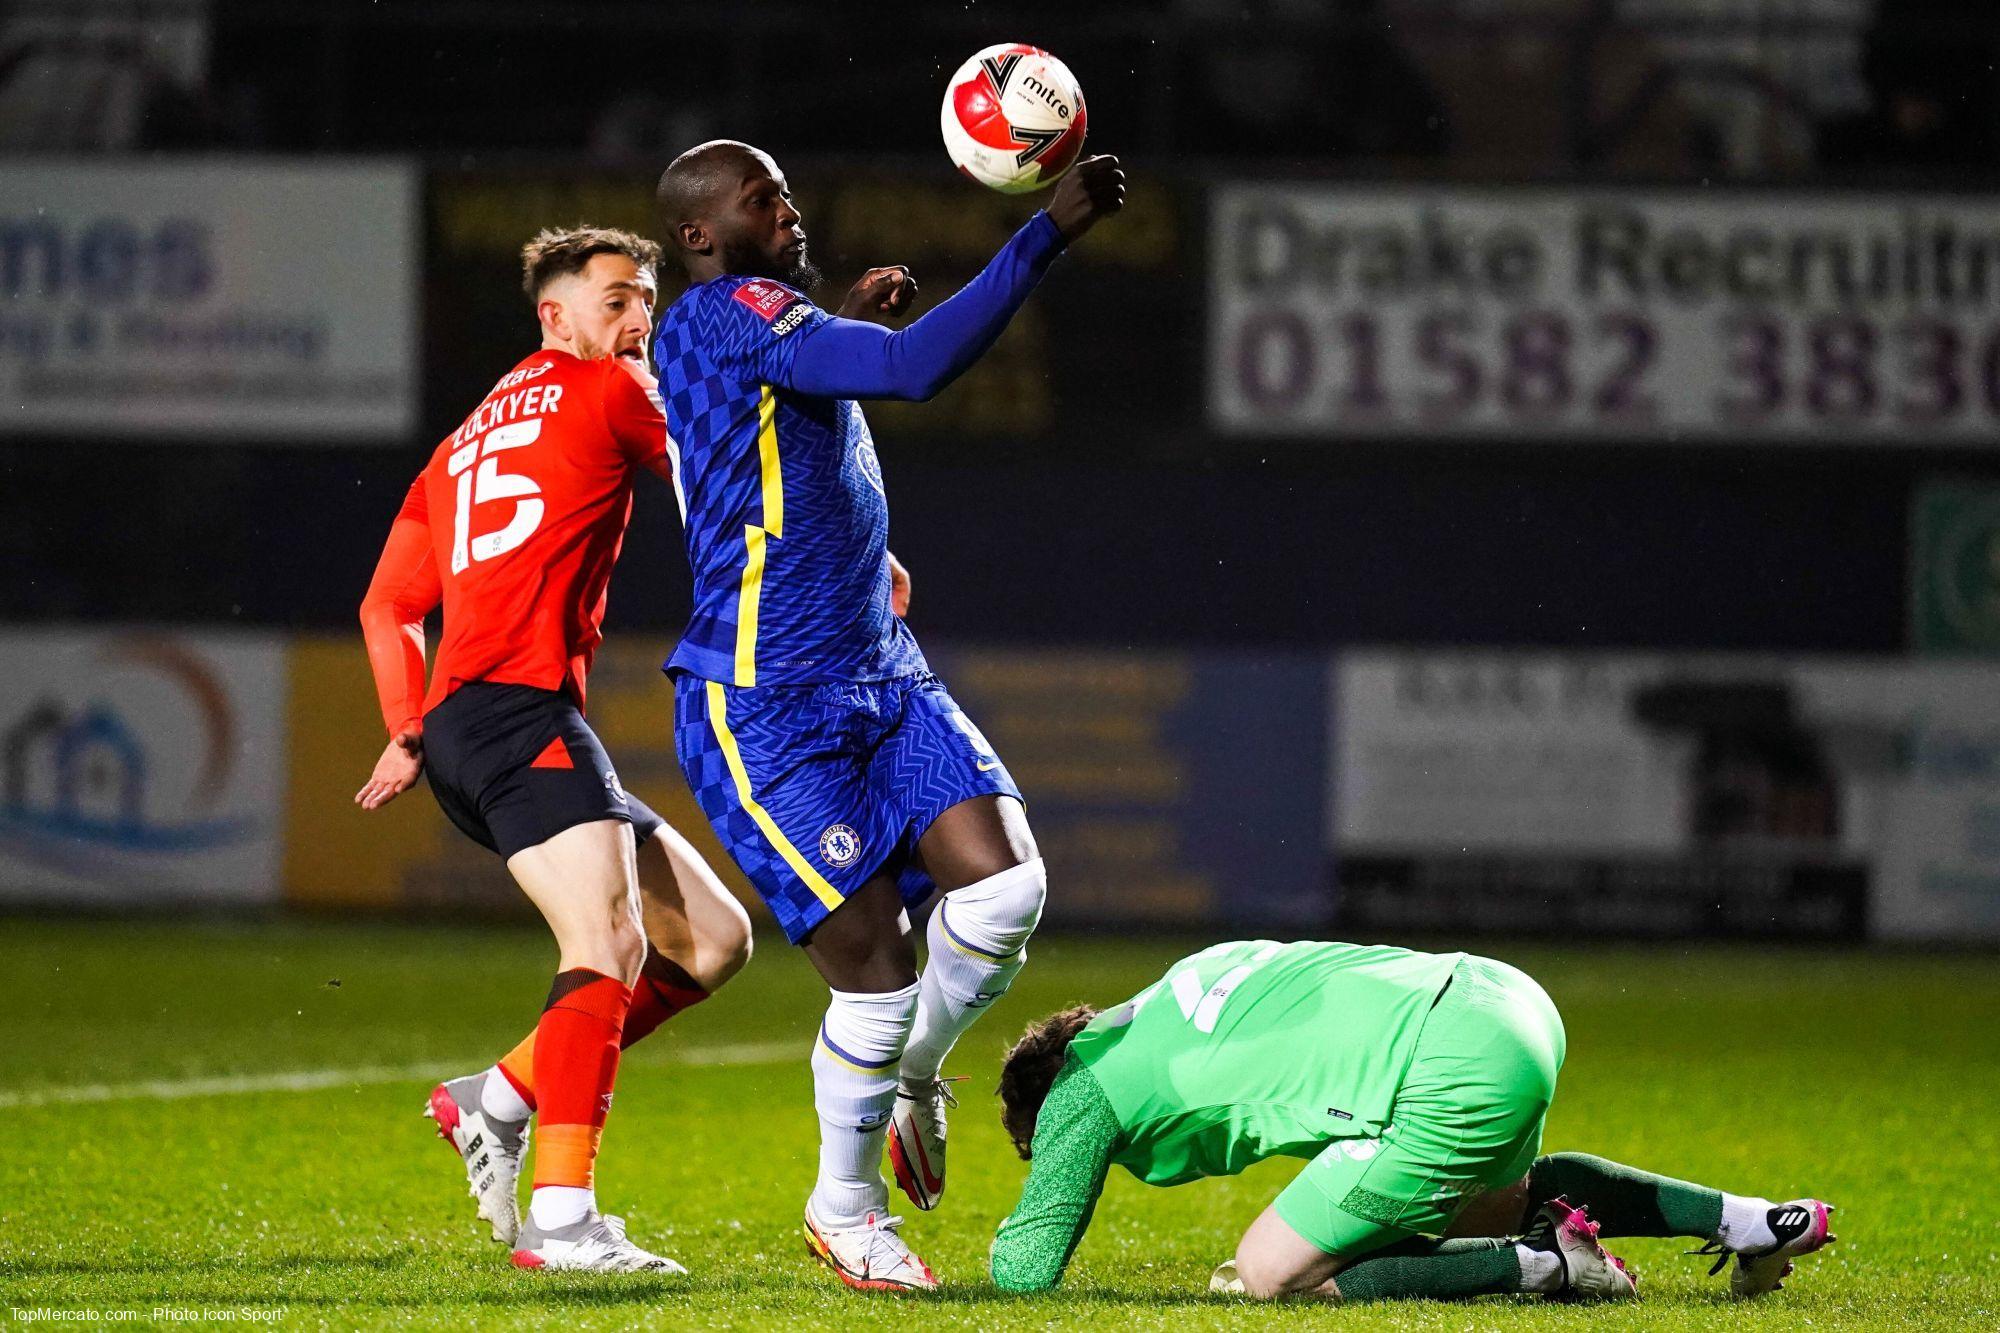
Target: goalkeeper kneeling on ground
1415, 1083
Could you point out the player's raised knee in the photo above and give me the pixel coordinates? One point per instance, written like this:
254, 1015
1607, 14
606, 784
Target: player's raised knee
1001, 911
724, 946
690, 915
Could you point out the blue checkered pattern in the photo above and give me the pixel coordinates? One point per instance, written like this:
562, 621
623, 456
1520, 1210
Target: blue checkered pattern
851, 774
823, 609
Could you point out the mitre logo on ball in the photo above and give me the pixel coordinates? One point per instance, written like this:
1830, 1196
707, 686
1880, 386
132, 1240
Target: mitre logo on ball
1013, 118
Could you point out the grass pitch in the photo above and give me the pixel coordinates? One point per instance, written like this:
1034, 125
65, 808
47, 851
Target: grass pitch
214, 1124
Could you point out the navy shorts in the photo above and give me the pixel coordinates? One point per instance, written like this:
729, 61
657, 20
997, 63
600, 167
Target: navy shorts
513, 765
815, 789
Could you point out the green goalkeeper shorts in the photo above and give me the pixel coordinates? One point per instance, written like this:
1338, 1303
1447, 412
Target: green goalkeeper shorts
1467, 1118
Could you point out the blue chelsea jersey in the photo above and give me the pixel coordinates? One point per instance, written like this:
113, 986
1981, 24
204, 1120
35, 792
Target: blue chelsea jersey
786, 522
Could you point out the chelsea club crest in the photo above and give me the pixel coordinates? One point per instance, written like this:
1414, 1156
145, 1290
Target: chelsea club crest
839, 845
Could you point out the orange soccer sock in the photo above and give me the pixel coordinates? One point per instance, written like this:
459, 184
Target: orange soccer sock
518, 1068
576, 1065
664, 989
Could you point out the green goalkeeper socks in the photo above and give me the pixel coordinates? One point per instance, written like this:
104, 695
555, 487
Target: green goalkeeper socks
1438, 1270
1624, 1200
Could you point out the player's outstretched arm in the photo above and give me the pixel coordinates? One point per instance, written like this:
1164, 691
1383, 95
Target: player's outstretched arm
844, 358
1076, 1132
403, 591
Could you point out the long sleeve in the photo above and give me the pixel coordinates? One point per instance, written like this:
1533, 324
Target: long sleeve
850, 358
1076, 1133
405, 588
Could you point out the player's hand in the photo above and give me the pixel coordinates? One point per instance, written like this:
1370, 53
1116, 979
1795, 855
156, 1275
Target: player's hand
1093, 189
395, 772
899, 587
881, 293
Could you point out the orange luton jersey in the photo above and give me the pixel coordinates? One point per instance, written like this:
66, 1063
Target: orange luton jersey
515, 524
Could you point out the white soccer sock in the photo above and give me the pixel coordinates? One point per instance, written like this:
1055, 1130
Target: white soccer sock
498, 1098
978, 941
554, 1206
1541, 1270
854, 1064
1746, 1223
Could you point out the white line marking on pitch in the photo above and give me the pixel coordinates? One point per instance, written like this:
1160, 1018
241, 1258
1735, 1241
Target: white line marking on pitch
307, 1080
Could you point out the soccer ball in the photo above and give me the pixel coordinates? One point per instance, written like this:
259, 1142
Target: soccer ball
1013, 118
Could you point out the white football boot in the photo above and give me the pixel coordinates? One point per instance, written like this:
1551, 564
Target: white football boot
489, 1148
869, 1257
916, 1139
1590, 1272
1800, 1226
594, 1243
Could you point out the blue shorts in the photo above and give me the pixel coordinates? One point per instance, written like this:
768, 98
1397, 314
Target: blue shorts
815, 789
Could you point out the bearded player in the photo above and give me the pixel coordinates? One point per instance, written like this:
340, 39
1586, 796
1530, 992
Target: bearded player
1415, 1083
515, 524
833, 765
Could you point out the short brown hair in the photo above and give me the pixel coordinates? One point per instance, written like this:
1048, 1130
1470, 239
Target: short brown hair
558, 252
1030, 1067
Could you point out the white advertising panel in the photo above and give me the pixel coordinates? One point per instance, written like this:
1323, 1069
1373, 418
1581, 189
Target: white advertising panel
1497, 752
1702, 776
141, 766
1374, 311
209, 299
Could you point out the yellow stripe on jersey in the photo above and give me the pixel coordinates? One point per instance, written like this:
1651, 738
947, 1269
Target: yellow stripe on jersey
771, 482
767, 461
718, 705
746, 605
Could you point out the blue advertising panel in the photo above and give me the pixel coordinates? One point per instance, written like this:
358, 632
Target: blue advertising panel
1165, 788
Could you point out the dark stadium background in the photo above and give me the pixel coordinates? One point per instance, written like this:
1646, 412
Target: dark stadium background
1237, 541
1300, 603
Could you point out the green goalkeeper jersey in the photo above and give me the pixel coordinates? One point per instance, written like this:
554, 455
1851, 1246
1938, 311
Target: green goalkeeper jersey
1244, 1051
